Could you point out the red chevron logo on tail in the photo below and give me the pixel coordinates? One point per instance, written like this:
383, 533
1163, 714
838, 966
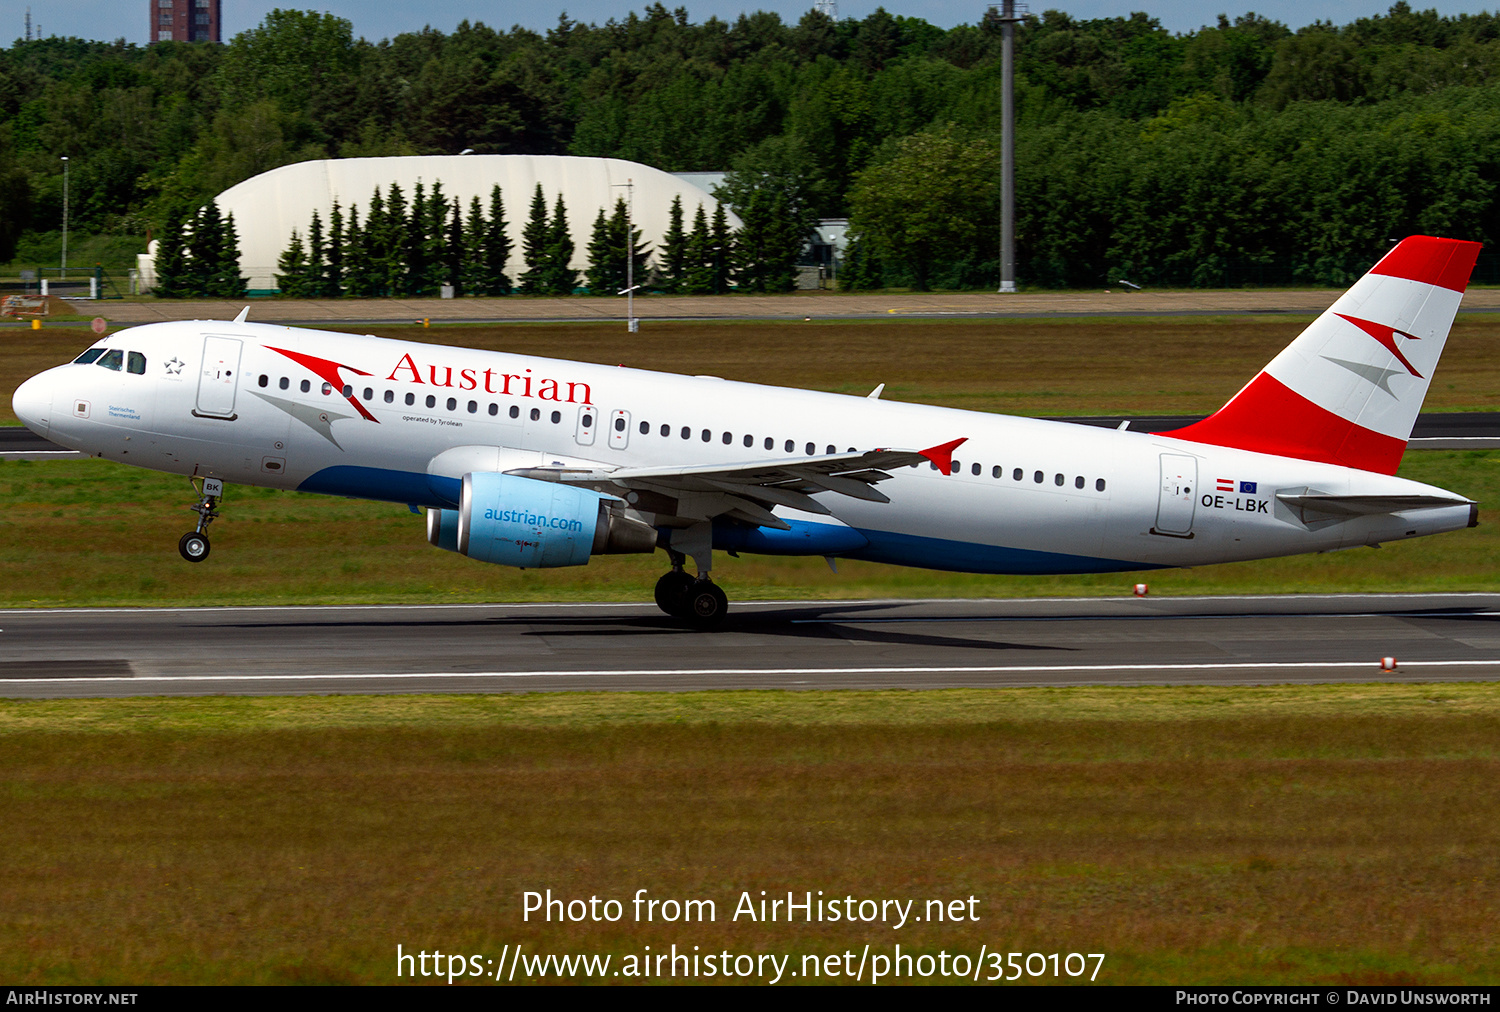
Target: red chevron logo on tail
1387, 338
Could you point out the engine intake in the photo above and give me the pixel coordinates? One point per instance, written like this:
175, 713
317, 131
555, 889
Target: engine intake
514, 521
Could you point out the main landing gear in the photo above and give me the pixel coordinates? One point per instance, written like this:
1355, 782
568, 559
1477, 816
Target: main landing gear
699, 601
194, 545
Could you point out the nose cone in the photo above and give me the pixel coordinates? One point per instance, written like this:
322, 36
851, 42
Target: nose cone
32, 403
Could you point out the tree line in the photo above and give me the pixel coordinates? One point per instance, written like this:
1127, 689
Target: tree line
1179, 158
414, 247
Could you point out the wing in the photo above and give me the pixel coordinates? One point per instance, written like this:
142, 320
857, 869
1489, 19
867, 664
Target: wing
749, 491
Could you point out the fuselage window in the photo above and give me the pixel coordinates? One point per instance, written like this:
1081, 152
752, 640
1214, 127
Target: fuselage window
728, 439
515, 411
749, 440
348, 390
666, 430
1016, 475
306, 386
369, 394
431, 401
707, 436
327, 389
1058, 479
996, 472
831, 449
494, 409
284, 383
452, 403
1099, 485
954, 467
390, 396
87, 358
686, 432
112, 359
811, 449
473, 407
136, 364
556, 417
975, 469
619, 424
1038, 477
411, 399
536, 414
790, 446
263, 381
645, 428
1078, 482
932, 464
770, 443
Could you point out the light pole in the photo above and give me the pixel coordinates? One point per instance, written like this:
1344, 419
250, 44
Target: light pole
1009, 15
631, 324
65, 217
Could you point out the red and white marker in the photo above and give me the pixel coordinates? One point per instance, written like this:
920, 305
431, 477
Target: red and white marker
1141, 590
1388, 664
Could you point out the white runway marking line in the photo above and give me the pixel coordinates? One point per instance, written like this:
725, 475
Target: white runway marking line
638, 672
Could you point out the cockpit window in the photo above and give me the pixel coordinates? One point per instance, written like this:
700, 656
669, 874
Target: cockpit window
136, 364
113, 359
88, 357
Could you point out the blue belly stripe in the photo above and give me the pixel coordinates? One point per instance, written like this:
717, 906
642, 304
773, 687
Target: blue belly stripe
385, 485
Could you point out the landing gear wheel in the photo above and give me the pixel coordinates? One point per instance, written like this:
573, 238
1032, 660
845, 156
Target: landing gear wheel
194, 546
706, 604
671, 593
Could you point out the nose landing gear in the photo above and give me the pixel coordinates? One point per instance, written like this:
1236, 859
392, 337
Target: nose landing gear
194, 545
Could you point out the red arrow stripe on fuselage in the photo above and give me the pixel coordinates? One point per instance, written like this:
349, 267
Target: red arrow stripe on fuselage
329, 372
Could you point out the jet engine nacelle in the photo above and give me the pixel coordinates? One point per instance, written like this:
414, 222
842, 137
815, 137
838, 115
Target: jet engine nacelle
513, 521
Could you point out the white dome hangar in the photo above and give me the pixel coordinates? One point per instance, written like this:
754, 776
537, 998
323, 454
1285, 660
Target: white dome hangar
268, 207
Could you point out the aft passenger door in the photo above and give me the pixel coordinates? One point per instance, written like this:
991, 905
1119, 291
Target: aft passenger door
1175, 506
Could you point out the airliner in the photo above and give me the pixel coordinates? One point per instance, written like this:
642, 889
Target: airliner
533, 462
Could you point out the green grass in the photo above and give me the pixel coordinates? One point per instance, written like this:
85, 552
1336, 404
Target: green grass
90, 533
1318, 835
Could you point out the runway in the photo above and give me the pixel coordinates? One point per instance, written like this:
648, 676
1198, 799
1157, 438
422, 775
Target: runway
768, 645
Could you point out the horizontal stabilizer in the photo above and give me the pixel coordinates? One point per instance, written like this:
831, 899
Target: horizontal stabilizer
1367, 505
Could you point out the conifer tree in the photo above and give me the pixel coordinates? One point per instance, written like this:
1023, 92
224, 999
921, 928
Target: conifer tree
436, 253
206, 249
416, 245
390, 249
723, 251
231, 284
334, 287
699, 273
561, 277
356, 257
606, 272
453, 251
291, 269
471, 273
536, 242
497, 247
171, 259
672, 262
317, 266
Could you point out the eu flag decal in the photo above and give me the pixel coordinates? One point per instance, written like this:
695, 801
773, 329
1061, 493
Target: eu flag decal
1247, 488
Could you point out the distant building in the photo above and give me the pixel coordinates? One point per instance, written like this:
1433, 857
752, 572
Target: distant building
184, 20
267, 208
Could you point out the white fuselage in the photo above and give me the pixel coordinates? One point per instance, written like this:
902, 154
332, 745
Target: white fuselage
264, 405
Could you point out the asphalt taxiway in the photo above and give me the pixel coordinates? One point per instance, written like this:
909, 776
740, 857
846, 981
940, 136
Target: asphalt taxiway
780, 645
